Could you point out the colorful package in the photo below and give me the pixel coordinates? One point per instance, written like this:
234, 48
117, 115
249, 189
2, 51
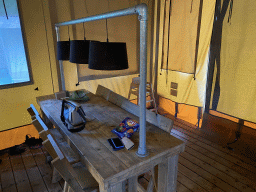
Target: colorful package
126, 128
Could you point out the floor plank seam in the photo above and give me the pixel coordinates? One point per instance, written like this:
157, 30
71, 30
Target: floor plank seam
192, 129
200, 176
27, 173
214, 145
232, 168
187, 140
192, 181
188, 126
212, 175
39, 171
202, 135
187, 189
219, 163
26, 168
219, 171
240, 182
9, 158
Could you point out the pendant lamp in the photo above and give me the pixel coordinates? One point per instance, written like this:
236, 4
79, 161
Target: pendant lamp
108, 55
63, 49
79, 51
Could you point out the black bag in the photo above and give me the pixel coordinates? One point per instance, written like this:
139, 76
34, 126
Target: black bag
72, 116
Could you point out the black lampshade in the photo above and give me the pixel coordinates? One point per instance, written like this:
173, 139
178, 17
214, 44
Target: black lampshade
79, 51
63, 48
108, 56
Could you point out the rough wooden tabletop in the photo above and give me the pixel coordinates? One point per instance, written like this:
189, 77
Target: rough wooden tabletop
106, 165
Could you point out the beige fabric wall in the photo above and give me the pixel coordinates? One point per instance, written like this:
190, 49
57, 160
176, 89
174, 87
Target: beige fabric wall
238, 62
180, 35
190, 91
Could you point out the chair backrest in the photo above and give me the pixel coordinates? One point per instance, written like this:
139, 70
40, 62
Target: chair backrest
32, 111
38, 122
43, 131
52, 147
61, 164
41, 127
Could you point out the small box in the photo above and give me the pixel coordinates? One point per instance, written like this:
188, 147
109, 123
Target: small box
127, 143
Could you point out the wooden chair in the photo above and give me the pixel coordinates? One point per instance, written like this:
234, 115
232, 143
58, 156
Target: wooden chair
76, 176
134, 89
43, 131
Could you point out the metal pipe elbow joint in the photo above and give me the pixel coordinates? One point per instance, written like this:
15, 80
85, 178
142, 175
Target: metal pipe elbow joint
142, 11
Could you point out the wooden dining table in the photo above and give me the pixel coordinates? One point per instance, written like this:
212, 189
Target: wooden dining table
104, 111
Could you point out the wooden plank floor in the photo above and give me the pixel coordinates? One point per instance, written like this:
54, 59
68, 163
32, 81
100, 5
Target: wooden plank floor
204, 166
27, 172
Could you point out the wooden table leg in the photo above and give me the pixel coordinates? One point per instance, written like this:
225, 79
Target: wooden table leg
151, 183
133, 184
56, 177
119, 187
65, 189
167, 174
70, 190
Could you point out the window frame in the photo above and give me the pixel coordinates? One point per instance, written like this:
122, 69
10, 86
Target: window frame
25, 44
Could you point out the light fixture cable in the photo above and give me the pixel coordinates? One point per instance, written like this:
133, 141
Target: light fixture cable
5, 10
68, 34
49, 55
107, 28
84, 32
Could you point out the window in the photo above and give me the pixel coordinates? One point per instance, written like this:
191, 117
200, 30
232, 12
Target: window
14, 69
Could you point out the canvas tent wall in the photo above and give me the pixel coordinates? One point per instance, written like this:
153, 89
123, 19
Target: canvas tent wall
236, 59
185, 30
230, 113
231, 77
